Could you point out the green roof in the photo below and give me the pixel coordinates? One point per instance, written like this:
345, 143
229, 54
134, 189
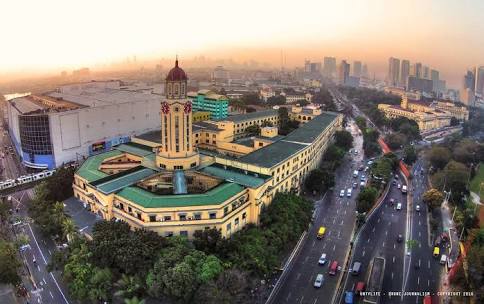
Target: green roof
138, 150
275, 153
248, 180
124, 179
250, 116
90, 168
147, 199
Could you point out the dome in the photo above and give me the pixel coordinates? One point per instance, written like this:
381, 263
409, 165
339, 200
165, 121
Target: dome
176, 74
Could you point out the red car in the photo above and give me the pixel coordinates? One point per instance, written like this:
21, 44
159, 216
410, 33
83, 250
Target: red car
333, 268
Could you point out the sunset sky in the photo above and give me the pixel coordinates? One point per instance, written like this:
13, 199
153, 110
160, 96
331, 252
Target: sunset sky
48, 34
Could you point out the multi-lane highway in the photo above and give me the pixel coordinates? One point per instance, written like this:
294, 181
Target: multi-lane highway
378, 237
337, 215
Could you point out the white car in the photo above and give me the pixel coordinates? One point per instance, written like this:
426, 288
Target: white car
398, 186
319, 280
322, 259
342, 193
399, 206
417, 208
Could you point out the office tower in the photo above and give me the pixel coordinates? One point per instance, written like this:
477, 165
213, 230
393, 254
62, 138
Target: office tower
364, 70
357, 68
344, 72
417, 70
329, 68
404, 72
307, 66
419, 84
470, 81
479, 74
393, 71
315, 67
426, 72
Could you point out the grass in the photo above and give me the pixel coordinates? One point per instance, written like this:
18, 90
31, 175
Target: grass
477, 180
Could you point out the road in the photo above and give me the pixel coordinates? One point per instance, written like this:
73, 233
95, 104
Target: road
47, 288
378, 238
425, 270
337, 214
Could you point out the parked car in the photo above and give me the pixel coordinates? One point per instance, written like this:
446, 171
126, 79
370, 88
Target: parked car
399, 238
342, 193
399, 206
333, 268
417, 208
399, 186
355, 185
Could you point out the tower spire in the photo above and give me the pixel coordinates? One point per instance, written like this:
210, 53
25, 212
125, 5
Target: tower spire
176, 60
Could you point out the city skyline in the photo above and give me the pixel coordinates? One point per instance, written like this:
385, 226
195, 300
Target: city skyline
54, 36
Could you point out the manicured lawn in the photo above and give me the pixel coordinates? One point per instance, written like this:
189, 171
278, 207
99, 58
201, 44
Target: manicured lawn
477, 180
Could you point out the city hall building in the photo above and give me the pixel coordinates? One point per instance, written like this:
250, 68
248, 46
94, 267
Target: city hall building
189, 176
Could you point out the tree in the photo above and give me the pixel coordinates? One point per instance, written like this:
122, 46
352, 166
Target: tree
134, 300
409, 155
433, 198
121, 249
343, 139
253, 130
101, 285
276, 100
438, 157
319, 180
9, 264
228, 288
208, 240
365, 199
361, 123
251, 99
333, 154
285, 124
396, 140
128, 286
453, 177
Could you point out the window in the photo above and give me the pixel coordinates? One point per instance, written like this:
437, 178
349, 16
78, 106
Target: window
167, 218
212, 215
229, 226
152, 218
236, 221
193, 165
130, 210
226, 210
183, 217
184, 233
197, 216
162, 166
244, 215
169, 233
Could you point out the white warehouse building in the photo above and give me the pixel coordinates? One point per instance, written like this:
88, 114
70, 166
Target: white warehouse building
79, 120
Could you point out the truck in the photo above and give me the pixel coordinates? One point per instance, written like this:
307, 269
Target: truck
375, 280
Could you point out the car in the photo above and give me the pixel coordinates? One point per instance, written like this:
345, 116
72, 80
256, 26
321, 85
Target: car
417, 208
360, 286
399, 238
399, 206
333, 268
319, 280
399, 186
396, 176
342, 193
348, 192
361, 168
356, 151
355, 185
370, 162
322, 259
392, 201
394, 182
363, 177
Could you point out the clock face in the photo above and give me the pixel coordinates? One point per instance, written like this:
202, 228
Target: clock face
165, 108
188, 107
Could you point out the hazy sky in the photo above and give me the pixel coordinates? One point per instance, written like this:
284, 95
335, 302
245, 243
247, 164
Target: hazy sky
446, 34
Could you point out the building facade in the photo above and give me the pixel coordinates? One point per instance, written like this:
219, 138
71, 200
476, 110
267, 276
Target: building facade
78, 120
208, 101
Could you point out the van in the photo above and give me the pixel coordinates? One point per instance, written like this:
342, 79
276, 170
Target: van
321, 232
436, 251
443, 259
356, 268
348, 192
355, 173
333, 268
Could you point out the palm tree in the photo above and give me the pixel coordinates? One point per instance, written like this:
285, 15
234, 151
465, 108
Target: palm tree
68, 227
128, 286
134, 300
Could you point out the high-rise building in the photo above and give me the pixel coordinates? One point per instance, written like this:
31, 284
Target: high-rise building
357, 68
364, 70
329, 68
307, 66
426, 72
404, 72
470, 81
417, 70
479, 74
436, 82
393, 71
420, 84
344, 72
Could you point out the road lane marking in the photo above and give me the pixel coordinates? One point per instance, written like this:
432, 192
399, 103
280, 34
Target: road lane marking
428, 282
419, 234
394, 259
315, 300
383, 244
342, 222
378, 220
394, 246
298, 276
373, 230
363, 253
306, 259
313, 243
428, 263
368, 240
302, 298
51, 295
345, 211
392, 275
288, 296
50, 252
334, 220
334, 247
386, 232
324, 246
418, 280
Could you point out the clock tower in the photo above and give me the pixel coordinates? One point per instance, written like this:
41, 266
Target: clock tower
176, 151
